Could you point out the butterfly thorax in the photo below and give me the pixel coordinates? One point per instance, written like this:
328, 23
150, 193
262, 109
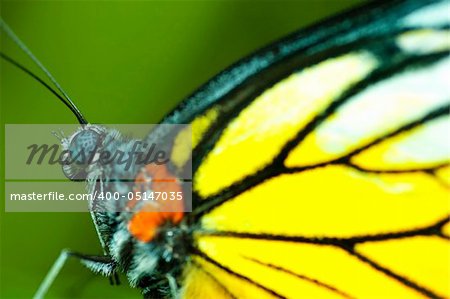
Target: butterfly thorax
147, 240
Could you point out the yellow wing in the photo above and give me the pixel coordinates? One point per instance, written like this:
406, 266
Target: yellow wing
331, 183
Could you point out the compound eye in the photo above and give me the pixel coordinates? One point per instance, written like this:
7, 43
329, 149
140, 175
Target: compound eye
82, 148
83, 145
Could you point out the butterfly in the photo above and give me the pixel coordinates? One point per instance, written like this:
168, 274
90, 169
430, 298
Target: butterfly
320, 168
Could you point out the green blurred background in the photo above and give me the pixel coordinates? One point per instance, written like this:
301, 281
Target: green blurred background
121, 62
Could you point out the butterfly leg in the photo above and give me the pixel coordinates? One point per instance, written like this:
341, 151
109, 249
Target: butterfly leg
97, 264
174, 290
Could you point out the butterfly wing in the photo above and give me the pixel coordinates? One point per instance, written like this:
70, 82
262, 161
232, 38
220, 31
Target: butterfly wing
321, 164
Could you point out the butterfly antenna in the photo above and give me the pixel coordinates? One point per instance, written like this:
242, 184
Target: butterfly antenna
65, 98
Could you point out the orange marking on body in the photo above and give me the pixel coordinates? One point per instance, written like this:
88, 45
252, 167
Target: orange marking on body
164, 180
145, 223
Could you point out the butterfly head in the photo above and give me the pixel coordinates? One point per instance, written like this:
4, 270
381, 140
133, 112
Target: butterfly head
81, 149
